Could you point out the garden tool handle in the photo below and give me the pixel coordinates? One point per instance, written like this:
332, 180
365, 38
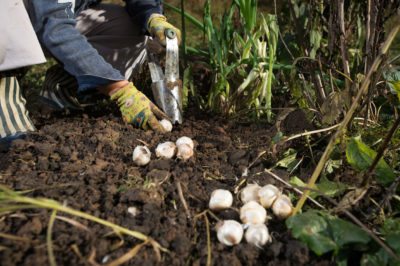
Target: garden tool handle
170, 33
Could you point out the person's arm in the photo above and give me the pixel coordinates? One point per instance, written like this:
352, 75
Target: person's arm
141, 10
54, 24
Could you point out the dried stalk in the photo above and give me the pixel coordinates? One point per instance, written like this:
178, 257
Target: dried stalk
348, 118
343, 48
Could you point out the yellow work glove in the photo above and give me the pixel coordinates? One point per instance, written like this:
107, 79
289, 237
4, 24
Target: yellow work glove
158, 24
137, 109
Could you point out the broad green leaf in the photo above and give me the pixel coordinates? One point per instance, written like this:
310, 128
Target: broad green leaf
391, 232
323, 232
378, 259
311, 228
344, 232
360, 156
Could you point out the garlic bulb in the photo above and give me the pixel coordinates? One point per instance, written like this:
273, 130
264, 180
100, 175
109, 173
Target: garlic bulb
184, 151
166, 124
220, 199
229, 232
257, 234
253, 213
185, 140
267, 195
282, 207
141, 155
166, 150
249, 193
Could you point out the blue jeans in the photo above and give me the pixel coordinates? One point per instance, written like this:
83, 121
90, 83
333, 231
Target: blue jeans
55, 22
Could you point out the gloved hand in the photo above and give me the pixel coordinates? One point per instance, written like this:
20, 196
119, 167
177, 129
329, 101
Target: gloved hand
137, 109
158, 24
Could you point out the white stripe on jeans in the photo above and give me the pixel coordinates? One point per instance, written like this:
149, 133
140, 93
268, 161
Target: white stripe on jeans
3, 106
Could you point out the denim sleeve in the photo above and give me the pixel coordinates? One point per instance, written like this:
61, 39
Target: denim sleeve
54, 24
141, 10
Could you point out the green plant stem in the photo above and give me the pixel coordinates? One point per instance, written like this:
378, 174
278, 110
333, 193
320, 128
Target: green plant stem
364, 88
189, 17
183, 33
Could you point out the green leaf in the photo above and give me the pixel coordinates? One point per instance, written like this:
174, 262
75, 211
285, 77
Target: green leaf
331, 165
330, 188
278, 137
360, 156
311, 228
391, 232
323, 232
289, 161
344, 232
393, 80
325, 186
299, 183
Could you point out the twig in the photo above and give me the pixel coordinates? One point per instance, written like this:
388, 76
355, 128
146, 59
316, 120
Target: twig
14, 238
341, 129
343, 47
208, 240
379, 154
292, 187
280, 34
182, 198
310, 133
391, 191
128, 256
49, 241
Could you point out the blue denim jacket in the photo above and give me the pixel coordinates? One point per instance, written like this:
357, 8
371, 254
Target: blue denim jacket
54, 23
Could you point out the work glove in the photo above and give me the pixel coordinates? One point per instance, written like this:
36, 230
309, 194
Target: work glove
137, 109
158, 24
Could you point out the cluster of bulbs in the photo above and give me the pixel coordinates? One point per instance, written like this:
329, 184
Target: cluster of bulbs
253, 213
182, 148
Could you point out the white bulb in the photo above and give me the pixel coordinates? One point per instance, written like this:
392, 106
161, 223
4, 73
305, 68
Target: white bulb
229, 232
185, 140
249, 193
257, 234
253, 213
166, 124
184, 151
166, 150
141, 155
220, 199
267, 195
282, 207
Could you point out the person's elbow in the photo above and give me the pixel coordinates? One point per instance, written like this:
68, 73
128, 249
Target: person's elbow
58, 31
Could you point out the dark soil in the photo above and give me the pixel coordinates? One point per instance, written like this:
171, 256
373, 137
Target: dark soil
85, 162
